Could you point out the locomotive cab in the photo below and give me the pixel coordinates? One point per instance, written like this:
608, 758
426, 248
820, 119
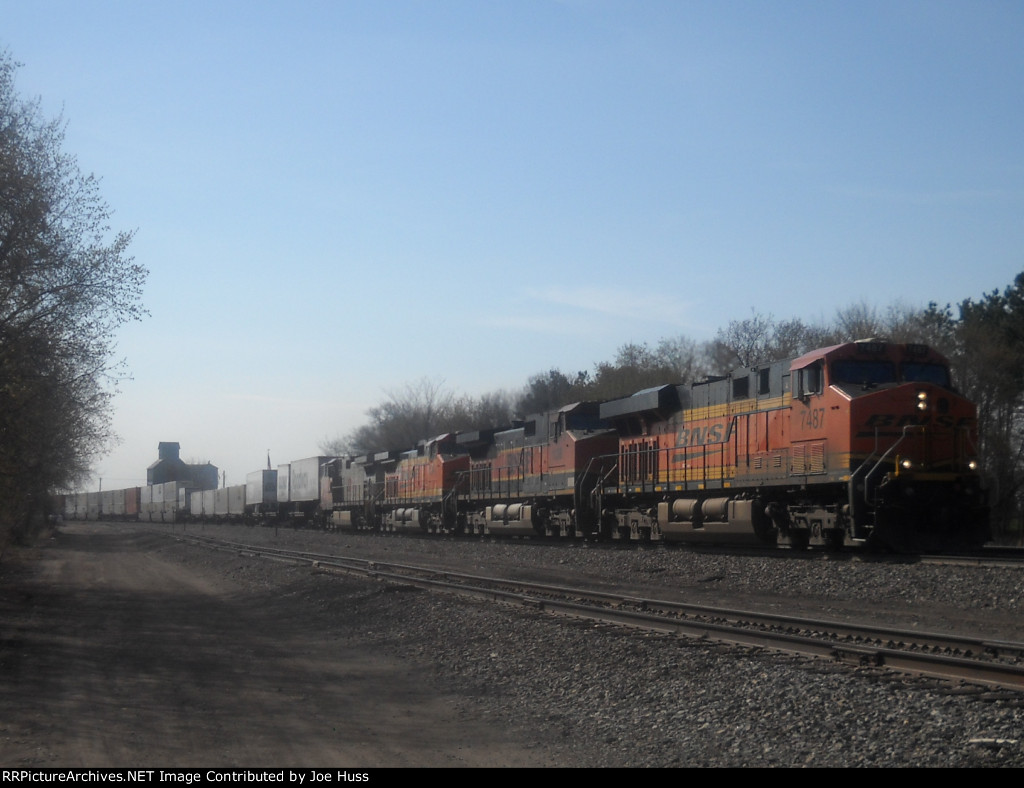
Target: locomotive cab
890, 427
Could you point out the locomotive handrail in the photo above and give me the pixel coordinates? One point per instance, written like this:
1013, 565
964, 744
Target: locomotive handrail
463, 479
450, 503
595, 493
966, 443
853, 477
851, 487
614, 466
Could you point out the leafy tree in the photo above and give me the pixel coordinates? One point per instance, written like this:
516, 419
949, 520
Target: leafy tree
635, 367
989, 357
552, 389
638, 366
66, 285
936, 327
984, 342
496, 409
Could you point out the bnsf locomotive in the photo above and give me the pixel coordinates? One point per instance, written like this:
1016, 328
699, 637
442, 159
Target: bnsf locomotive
864, 443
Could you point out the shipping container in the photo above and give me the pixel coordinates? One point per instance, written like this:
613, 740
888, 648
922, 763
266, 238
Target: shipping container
304, 483
132, 502
195, 504
106, 504
220, 503
170, 512
146, 504
236, 501
283, 483
261, 492
208, 503
92, 506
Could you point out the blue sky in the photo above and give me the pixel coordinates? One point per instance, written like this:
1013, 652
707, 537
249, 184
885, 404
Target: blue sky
336, 199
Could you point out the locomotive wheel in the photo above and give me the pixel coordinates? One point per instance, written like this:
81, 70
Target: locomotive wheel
834, 538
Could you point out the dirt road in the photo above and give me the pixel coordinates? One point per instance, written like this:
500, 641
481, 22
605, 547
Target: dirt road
121, 649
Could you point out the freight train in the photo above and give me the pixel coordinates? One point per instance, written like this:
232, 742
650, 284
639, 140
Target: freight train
862, 444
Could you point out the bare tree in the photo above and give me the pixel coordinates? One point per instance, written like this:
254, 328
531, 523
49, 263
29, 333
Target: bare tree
688, 360
743, 342
762, 338
492, 410
423, 409
66, 285
897, 322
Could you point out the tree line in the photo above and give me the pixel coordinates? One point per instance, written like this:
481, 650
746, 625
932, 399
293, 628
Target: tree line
983, 339
66, 285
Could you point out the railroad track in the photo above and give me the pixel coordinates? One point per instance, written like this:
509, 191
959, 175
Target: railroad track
969, 660
1010, 557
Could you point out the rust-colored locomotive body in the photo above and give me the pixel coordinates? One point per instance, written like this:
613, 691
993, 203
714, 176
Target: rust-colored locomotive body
419, 494
538, 477
860, 442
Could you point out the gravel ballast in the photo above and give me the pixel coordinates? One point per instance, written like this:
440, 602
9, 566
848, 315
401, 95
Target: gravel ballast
595, 695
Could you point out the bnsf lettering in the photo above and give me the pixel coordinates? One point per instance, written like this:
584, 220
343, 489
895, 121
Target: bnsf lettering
701, 436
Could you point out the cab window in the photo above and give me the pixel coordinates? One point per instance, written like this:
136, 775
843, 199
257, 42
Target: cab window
926, 373
809, 380
863, 373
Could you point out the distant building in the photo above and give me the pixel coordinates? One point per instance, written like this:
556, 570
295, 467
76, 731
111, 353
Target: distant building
170, 468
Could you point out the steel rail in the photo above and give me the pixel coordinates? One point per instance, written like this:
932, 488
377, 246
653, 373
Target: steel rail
944, 656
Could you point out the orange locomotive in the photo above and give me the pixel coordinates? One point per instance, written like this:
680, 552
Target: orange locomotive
419, 493
864, 442
537, 477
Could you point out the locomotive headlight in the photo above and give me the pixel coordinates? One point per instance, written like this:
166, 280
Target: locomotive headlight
972, 464
922, 400
907, 464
